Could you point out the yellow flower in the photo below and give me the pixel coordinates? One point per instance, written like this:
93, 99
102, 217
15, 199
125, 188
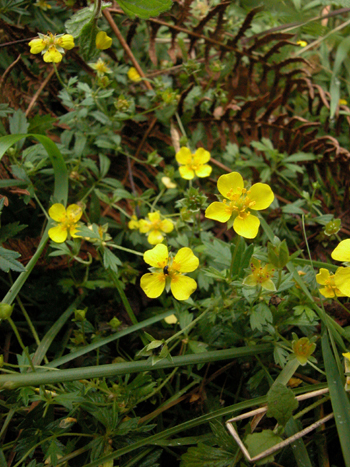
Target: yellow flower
103, 41
133, 75
343, 102
260, 275
67, 221
168, 183
171, 319
51, 46
169, 273
240, 203
101, 67
302, 43
193, 164
303, 348
133, 223
43, 5
330, 289
342, 251
154, 226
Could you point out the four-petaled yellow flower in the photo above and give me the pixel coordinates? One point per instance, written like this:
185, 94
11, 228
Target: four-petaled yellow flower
155, 227
51, 46
103, 41
67, 221
101, 67
330, 289
134, 75
193, 164
238, 204
169, 272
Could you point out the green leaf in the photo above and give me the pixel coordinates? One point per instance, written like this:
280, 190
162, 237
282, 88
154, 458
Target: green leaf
77, 22
341, 55
10, 230
260, 316
207, 456
110, 260
87, 41
18, 124
259, 442
144, 8
41, 123
281, 403
8, 261
339, 399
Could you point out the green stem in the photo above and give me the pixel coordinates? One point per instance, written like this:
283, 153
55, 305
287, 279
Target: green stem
58, 76
123, 297
287, 372
118, 247
161, 193
186, 328
24, 348
179, 122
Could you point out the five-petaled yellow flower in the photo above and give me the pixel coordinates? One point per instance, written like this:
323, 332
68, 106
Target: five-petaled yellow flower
155, 227
239, 203
169, 272
51, 46
67, 221
103, 41
330, 289
193, 164
261, 275
101, 67
134, 75
342, 275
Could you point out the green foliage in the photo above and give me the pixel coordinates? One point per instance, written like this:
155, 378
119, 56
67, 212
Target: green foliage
281, 403
259, 442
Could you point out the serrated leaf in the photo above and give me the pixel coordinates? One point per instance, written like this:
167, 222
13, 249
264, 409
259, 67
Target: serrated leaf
77, 22
207, 456
281, 403
10, 231
8, 261
259, 442
110, 260
144, 8
87, 41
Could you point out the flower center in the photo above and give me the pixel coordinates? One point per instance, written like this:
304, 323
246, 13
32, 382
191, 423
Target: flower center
240, 203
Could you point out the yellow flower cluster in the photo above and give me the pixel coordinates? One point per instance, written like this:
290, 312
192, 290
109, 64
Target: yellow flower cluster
51, 46
239, 202
169, 272
338, 284
154, 227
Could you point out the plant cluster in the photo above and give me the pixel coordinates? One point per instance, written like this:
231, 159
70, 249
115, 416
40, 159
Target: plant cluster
173, 185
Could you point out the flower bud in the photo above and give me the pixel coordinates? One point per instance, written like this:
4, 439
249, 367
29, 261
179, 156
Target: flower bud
5, 310
278, 253
79, 315
115, 323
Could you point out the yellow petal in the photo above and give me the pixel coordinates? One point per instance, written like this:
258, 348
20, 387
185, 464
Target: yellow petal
144, 226
184, 156
58, 234
201, 156
247, 227
230, 184
168, 183
185, 260
346, 355
204, 171
153, 284
182, 286
155, 237
268, 285
218, 212
172, 320
262, 195
154, 216
134, 75
157, 257
342, 251
57, 212
66, 41
186, 172
103, 41
166, 226
328, 292
73, 229
74, 212
52, 55
36, 46
342, 281
323, 276
133, 223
